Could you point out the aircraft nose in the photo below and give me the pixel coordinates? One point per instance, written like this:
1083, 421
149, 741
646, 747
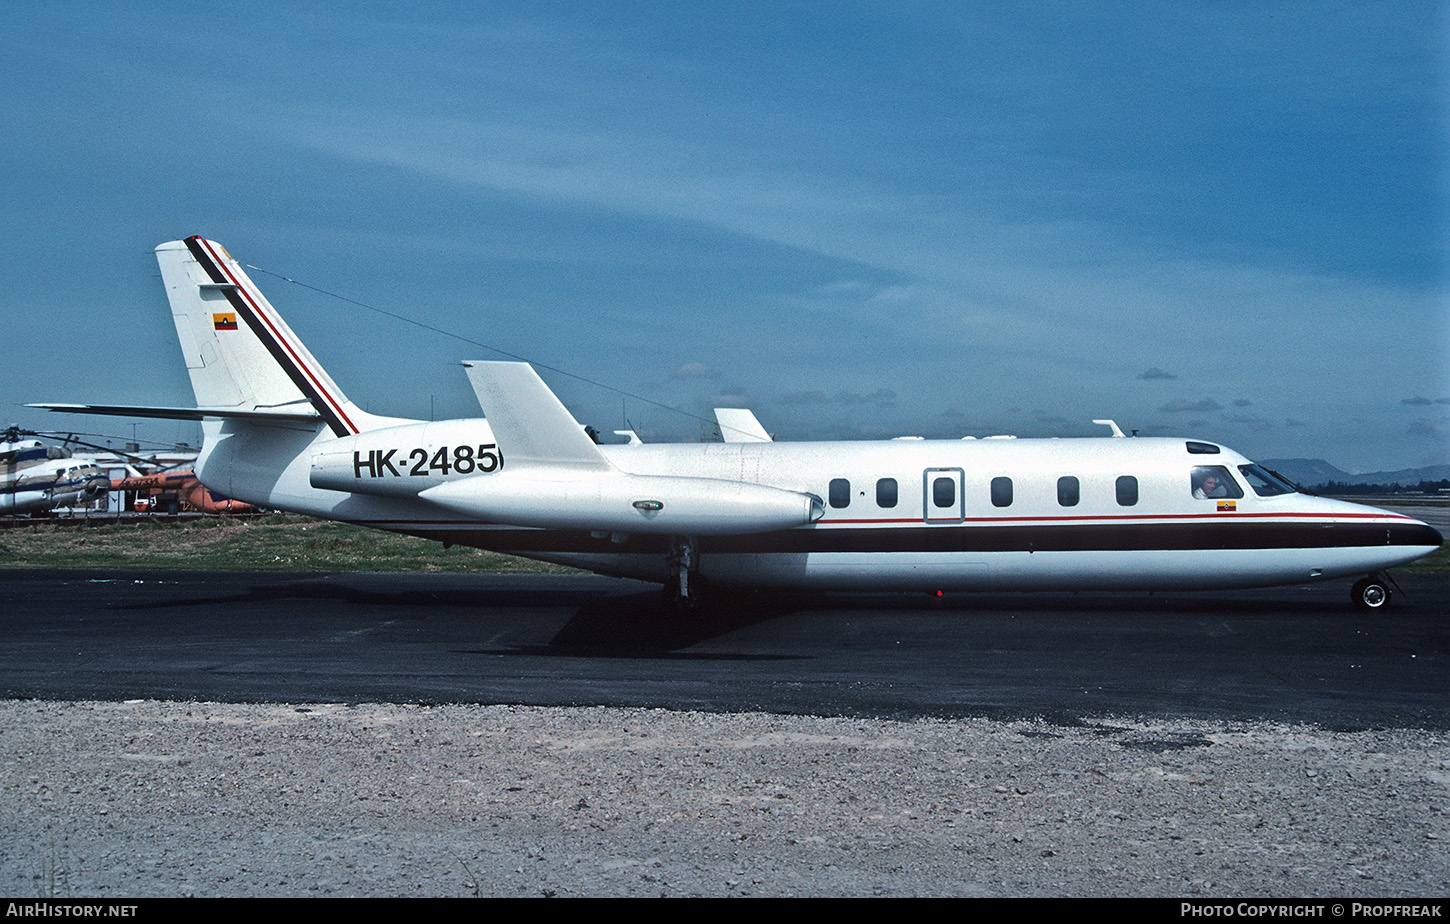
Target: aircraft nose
1418, 532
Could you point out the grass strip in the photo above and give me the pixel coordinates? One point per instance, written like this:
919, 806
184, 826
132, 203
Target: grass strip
271, 543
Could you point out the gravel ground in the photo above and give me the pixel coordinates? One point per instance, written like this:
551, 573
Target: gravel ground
142, 799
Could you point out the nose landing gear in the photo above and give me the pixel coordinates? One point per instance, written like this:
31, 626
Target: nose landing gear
1371, 594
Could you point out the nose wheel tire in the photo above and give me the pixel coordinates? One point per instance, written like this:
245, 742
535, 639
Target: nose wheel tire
1370, 594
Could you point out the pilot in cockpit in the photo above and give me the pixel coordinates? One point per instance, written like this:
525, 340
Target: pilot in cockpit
1209, 486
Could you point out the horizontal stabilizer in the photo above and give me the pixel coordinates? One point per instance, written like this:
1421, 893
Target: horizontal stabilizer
529, 422
182, 413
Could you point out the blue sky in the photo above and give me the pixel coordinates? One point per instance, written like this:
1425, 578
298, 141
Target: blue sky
1222, 220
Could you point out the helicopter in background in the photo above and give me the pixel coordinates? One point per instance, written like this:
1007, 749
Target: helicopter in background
37, 478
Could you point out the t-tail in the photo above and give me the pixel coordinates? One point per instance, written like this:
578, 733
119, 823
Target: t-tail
245, 363
262, 398
243, 359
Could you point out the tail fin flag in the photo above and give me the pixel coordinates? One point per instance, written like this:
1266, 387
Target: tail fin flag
239, 352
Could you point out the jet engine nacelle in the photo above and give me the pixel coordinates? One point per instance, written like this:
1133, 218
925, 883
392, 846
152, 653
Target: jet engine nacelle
620, 502
456, 465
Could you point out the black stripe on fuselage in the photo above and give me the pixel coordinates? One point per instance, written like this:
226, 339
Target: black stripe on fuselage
279, 352
1085, 537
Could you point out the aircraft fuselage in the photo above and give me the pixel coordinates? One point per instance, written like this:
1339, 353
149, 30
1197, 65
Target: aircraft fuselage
991, 514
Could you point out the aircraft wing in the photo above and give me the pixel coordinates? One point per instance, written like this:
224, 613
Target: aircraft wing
738, 425
529, 422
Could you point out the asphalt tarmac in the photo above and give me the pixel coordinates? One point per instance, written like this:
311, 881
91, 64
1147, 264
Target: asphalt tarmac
1297, 654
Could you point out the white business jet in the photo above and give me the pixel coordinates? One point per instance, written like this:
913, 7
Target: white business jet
1112, 513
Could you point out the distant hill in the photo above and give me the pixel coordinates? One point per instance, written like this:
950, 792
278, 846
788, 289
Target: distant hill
1311, 472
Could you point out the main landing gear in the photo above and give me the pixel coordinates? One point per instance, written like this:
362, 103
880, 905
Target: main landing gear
682, 591
1371, 594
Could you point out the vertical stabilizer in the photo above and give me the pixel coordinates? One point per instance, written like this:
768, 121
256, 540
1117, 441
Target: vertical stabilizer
239, 352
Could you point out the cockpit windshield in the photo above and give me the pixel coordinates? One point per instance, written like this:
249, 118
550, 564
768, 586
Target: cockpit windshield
1264, 482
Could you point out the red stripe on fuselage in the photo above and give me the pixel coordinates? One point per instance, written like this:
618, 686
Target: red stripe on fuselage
951, 521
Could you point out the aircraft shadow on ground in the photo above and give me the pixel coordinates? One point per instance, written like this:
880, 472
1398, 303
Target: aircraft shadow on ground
638, 625
641, 625
319, 589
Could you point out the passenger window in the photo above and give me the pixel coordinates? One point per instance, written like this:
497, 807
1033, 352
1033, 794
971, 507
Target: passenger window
1001, 492
886, 492
1210, 481
1069, 491
840, 492
944, 492
1127, 487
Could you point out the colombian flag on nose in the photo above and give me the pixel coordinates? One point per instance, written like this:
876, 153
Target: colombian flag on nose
226, 321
